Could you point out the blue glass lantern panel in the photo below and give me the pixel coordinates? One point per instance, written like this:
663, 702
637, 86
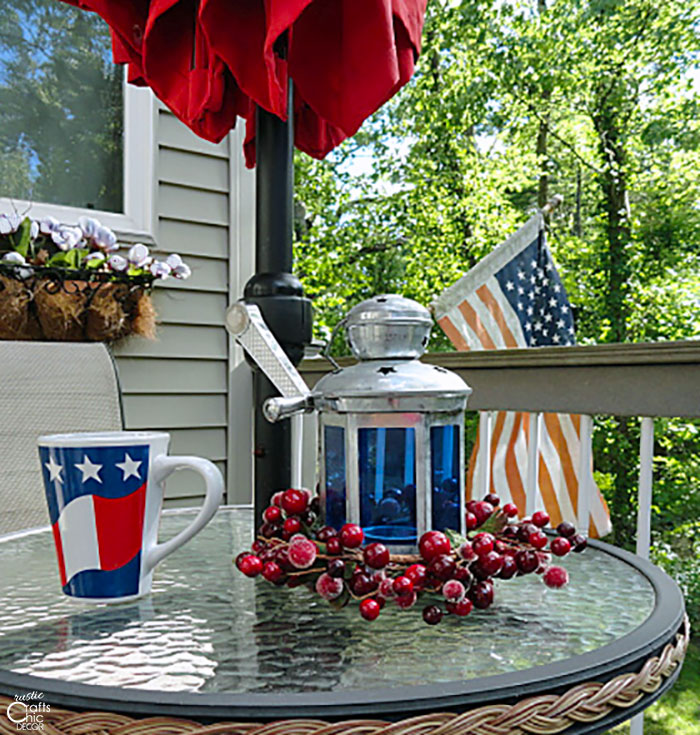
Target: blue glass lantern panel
445, 477
387, 469
334, 443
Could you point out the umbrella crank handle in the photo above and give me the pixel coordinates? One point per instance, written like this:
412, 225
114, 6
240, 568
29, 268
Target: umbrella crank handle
276, 409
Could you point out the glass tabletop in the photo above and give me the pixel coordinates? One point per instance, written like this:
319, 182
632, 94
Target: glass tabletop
207, 628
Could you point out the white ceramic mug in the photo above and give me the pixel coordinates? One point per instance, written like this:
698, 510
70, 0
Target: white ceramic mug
105, 496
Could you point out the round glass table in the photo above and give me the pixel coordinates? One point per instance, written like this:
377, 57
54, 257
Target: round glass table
211, 644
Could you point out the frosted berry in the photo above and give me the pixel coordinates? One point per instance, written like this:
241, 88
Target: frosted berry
453, 591
471, 521
272, 514
483, 511
294, 502
333, 546
555, 577
510, 509
461, 608
407, 601
432, 544
560, 546
402, 586
272, 571
329, 587
579, 542
386, 588
302, 552
251, 565
370, 609
466, 551
540, 518
351, 536
566, 529
482, 543
417, 573
376, 555
538, 540
336, 568
432, 614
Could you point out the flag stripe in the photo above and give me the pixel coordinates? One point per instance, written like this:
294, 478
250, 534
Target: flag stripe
59, 553
515, 481
553, 424
495, 437
453, 334
475, 323
490, 302
549, 495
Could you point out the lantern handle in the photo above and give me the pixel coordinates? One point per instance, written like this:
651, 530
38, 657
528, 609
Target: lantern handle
326, 352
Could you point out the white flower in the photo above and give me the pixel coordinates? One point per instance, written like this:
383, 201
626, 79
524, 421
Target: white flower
139, 256
14, 258
49, 225
94, 256
67, 237
34, 230
9, 223
160, 269
182, 271
118, 263
174, 261
89, 226
104, 238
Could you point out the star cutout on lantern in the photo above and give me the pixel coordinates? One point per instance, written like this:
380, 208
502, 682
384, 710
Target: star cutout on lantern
129, 467
90, 470
54, 470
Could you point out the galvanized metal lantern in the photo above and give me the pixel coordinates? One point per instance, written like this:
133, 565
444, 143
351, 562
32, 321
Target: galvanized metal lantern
391, 428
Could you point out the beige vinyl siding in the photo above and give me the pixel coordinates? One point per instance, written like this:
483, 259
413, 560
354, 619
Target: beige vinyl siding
179, 383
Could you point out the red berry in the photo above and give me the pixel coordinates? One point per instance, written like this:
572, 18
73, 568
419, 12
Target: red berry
442, 567
376, 556
453, 591
538, 540
291, 526
526, 530
268, 530
417, 573
492, 499
509, 568
471, 521
461, 608
432, 544
510, 509
272, 514
555, 577
336, 568
482, 543
294, 502
579, 542
466, 551
302, 552
272, 571
560, 546
327, 532
329, 587
488, 565
527, 561
540, 518
333, 546
258, 546
407, 601
463, 575
251, 565
363, 584
402, 586
481, 594
386, 589
566, 529
370, 609
470, 505
432, 614
351, 536
510, 532
277, 499
483, 511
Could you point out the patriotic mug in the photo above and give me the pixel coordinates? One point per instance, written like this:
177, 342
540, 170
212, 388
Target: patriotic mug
105, 495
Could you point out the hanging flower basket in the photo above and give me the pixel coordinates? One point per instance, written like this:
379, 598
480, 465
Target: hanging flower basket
65, 283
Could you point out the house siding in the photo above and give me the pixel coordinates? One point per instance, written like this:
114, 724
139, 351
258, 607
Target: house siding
181, 382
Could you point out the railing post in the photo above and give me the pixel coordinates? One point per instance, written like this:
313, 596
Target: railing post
533, 453
584, 475
485, 427
297, 449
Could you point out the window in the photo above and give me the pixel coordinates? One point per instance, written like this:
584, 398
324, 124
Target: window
73, 136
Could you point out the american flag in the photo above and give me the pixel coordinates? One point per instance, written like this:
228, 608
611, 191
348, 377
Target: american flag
514, 298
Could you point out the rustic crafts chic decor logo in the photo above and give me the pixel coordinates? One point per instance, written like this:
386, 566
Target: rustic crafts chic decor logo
28, 710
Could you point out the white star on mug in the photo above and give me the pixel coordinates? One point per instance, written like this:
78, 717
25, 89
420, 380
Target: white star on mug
129, 467
90, 471
54, 469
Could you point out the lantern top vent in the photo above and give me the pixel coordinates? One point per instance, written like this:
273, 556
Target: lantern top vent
388, 327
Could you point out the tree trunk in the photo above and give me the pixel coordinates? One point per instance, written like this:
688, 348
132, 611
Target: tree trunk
541, 149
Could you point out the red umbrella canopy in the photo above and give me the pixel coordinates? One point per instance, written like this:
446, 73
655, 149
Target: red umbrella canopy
211, 61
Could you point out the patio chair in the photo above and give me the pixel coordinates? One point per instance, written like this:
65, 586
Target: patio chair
47, 387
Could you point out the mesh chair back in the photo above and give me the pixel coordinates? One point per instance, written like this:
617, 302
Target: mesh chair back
47, 387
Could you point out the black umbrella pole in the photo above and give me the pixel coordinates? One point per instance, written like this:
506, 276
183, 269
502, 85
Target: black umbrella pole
277, 292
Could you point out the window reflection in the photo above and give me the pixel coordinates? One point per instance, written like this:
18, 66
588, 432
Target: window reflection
444, 455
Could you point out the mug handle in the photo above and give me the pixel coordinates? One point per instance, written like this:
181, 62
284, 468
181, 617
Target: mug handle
163, 466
